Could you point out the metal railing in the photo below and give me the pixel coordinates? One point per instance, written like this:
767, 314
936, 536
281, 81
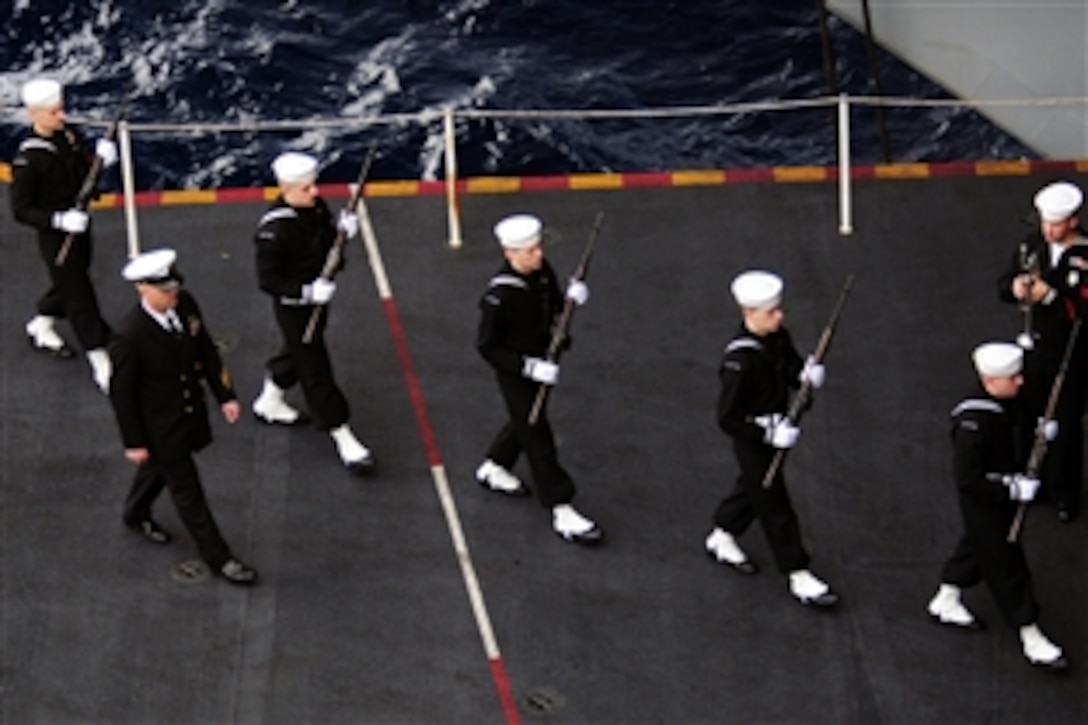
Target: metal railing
841, 103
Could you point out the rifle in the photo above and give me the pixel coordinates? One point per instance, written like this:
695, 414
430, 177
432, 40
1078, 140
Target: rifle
1038, 447
562, 326
1029, 267
803, 398
90, 181
336, 252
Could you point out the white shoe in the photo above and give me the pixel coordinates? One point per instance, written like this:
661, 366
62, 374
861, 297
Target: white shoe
947, 608
43, 336
357, 458
809, 590
270, 406
496, 478
101, 368
1039, 650
723, 547
573, 526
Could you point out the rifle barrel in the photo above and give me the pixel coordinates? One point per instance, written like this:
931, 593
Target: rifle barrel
801, 400
562, 326
1038, 448
90, 181
332, 259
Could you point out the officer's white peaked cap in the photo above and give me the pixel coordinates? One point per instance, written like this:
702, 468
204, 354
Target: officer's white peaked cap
154, 267
293, 167
757, 289
998, 359
42, 93
1058, 201
519, 231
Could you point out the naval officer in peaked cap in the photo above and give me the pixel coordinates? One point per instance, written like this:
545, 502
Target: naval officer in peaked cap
47, 172
1053, 299
758, 369
989, 430
163, 356
517, 313
292, 242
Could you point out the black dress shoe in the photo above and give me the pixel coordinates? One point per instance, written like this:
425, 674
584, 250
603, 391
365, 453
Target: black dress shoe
303, 418
363, 466
592, 537
63, 352
975, 625
1057, 666
151, 531
521, 491
744, 567
236, 572
827, 600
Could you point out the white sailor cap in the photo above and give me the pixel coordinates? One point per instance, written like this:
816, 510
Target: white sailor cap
1058, 201
998, 359
519, 231
42, 93
757, 288
155, 267
292, 167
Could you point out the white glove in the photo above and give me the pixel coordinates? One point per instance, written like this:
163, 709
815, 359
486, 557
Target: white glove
348, 224
107, 151
1022, 488
813, 373
778, 430
784, 435
577, 292
72, 221
1049, 429
541, 370
320, 291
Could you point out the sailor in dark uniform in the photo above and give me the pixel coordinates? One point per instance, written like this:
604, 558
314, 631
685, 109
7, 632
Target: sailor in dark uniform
1058, 206
292, 243
162, 354
517, 313
48, 171
759, 368
989, 430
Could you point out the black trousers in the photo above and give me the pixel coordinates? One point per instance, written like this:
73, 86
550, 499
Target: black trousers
183, 481
1063, 467
772, 506
71, 295
309, 365
983, 554
553, 484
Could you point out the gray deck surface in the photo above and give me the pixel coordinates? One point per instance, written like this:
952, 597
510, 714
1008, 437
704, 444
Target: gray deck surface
362, 615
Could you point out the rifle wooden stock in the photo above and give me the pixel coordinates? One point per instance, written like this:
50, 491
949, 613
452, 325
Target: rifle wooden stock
90, 181
332, 259
1039, 446
803, 398
562, 325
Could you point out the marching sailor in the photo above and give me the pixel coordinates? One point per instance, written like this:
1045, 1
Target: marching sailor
48, 170
293, 240
517, 315
1045, 290
759, 368
989, 432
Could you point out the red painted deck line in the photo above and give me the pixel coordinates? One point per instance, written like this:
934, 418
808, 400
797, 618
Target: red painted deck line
411, 382
438, 472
